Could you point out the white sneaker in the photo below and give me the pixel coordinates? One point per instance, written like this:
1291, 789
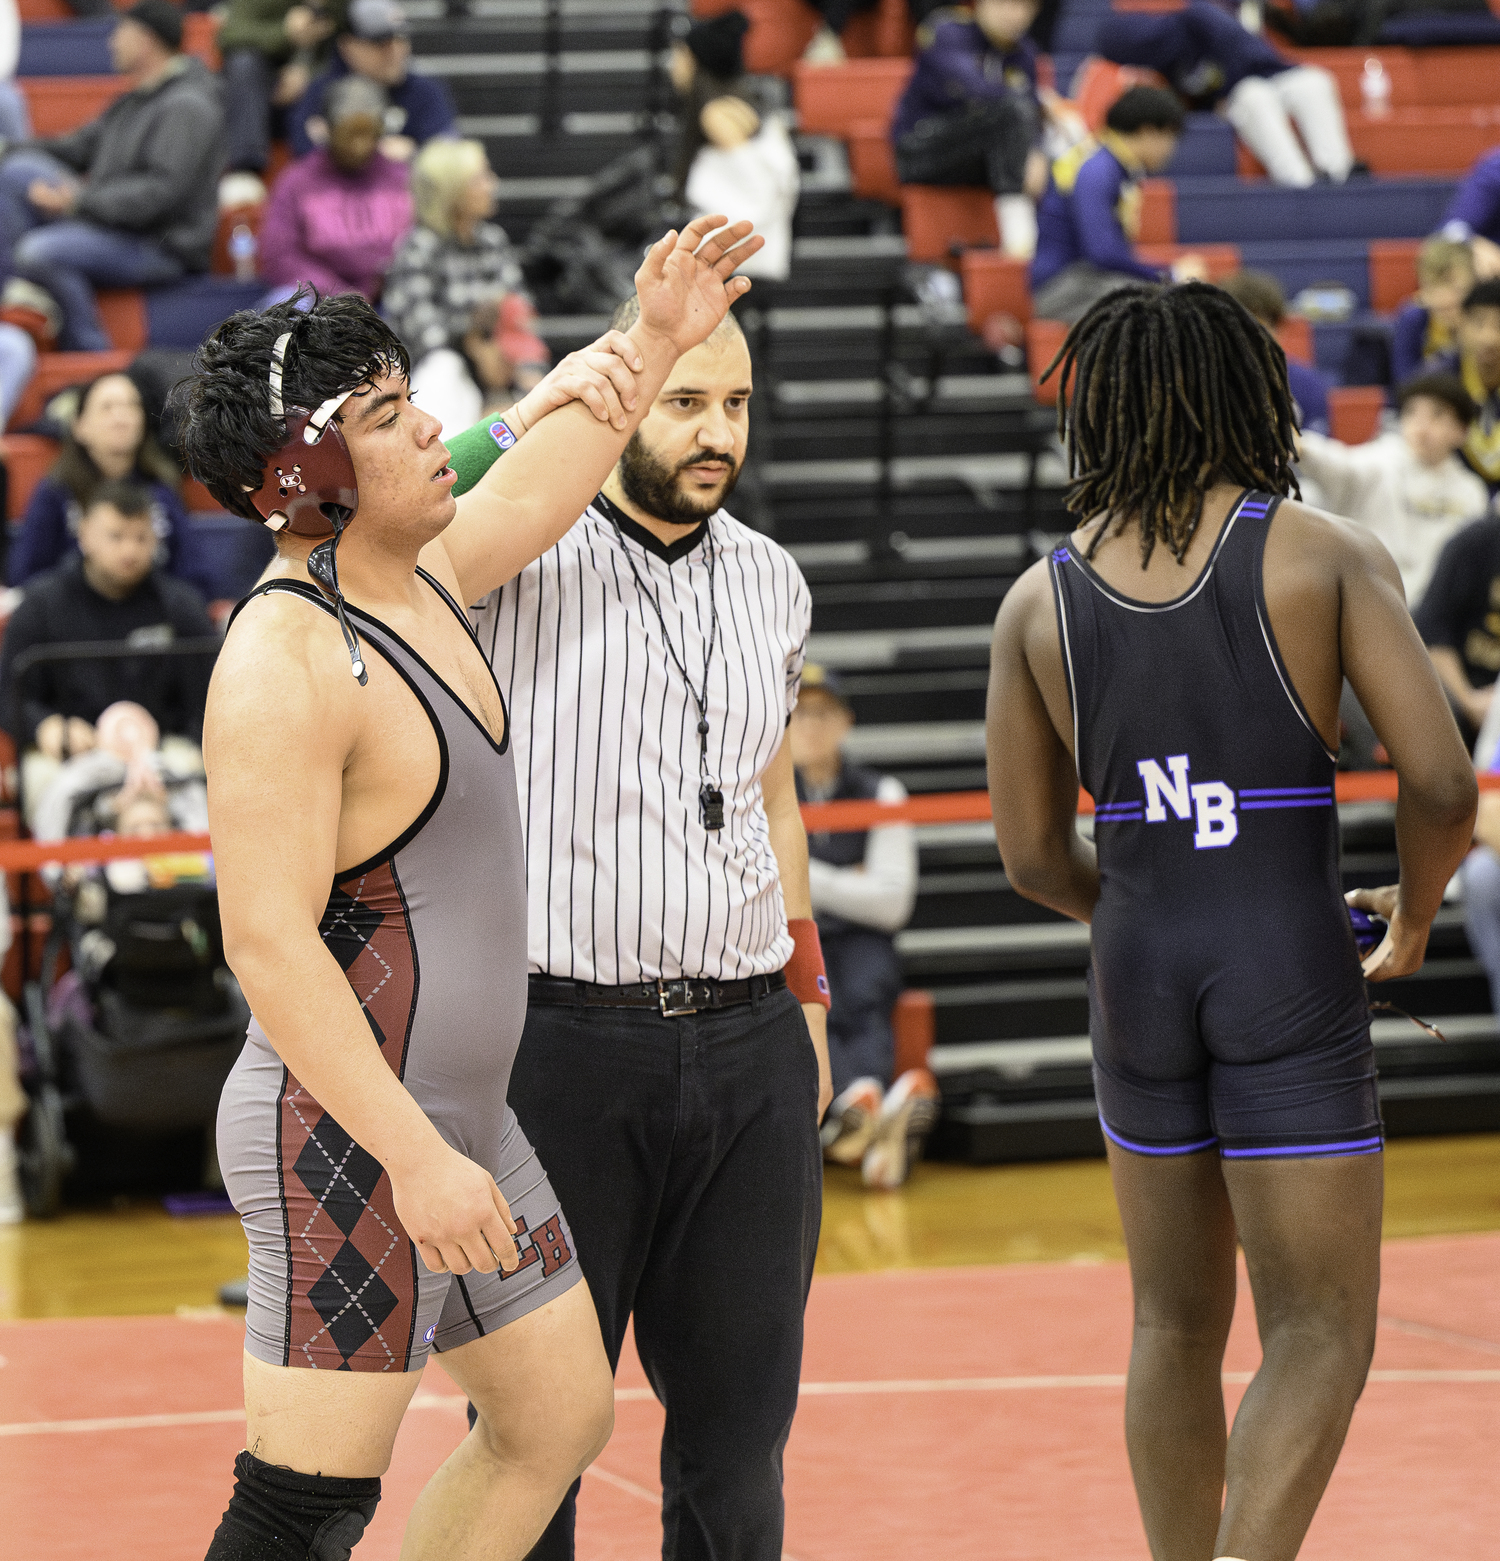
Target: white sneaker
909, 1114
850, 1123
240, 189
12, 1205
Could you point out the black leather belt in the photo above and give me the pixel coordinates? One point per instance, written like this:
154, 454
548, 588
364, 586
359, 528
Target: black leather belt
671, 999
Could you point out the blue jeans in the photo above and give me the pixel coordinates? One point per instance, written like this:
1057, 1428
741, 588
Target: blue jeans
69, 257
17, 360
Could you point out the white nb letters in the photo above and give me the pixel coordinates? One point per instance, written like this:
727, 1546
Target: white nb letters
1158, 787
1211, 804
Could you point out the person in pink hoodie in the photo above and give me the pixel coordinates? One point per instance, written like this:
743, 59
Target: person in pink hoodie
335, 217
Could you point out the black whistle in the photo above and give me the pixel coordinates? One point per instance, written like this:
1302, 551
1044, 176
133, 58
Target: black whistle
711, 806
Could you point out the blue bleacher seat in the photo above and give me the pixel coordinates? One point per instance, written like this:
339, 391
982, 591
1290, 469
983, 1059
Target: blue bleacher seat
225, 553
183, 313
1302, 263
1428, 31
1229, 211
1207, 148
66, 48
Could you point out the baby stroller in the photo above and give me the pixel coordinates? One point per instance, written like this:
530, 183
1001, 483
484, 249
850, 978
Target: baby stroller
142, 1030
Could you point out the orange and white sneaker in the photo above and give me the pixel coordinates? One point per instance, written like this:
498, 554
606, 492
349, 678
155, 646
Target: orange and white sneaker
908, 1114
850, 1123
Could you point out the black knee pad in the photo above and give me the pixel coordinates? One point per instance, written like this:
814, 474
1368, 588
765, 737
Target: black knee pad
279, 1515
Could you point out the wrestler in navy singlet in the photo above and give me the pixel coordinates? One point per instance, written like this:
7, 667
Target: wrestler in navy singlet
1227, 1006
431, 933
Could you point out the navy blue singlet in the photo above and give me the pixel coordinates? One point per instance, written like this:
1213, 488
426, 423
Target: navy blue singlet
1226, 1002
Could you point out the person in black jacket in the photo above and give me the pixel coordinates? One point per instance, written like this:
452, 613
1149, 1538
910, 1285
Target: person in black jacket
128, 200
111, 591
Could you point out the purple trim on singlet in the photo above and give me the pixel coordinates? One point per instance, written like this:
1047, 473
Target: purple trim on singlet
1119, 812
1285, 797
1351, 1146
1157, 1149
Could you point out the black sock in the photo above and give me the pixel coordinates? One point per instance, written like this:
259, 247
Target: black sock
279, 1515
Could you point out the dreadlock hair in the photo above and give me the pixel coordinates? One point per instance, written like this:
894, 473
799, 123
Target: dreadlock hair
1173, 389
225, 428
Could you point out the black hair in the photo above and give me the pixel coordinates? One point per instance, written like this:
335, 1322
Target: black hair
1173, 389
1447, 389
1483, 295
1141, 108
129, 498
226, 430
76, 469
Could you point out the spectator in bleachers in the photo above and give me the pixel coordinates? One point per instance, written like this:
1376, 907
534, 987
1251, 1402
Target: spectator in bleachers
128, 200
111, 591
1408, 485
732, 157
970, 114
1458, 618
1427, 326
1213, 62
864, 885
1473, 215
335, 217
269, 48
109, 442
1088, 218
1260, 293
454, 293
1476, 360
373, 42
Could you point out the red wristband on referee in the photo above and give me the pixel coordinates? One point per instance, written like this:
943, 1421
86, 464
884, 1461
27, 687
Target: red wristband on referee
805, 975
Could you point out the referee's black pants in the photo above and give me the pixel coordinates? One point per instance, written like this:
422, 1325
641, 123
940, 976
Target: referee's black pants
685, 1154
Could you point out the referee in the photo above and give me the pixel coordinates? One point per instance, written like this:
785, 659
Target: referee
674, 1064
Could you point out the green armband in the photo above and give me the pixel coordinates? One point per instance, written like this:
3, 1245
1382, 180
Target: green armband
476, 449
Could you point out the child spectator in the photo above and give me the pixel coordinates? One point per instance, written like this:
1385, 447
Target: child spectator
1457, 619
1260, 294
1408, 486
1211, 60
111, 591
268, 48
970, 114
1087, 220
1473, 215
1476, 360
1427, 326
109, 441
453, 292
336, 216
128, 200
864, 885
373, 42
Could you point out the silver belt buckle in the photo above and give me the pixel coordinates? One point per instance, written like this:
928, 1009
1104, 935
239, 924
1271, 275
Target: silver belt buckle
679, 995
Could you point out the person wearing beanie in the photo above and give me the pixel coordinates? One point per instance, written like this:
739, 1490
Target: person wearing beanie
718, 44
128, 200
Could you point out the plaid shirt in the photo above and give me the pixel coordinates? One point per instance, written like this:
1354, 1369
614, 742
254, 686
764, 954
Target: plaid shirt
435, 284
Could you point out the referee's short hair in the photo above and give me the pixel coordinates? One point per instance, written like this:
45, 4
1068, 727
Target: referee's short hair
630, 311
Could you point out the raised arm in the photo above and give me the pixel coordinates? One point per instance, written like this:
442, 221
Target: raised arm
1032, 777
526, 502
1392, 675
276, 709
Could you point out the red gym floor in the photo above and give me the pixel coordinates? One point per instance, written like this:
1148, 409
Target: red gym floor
956, 1414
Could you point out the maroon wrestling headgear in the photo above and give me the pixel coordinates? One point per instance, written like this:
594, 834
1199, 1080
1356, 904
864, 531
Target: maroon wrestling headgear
310, 490
311, 470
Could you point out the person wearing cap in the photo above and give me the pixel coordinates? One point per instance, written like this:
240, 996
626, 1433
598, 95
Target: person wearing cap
129, 199
373, 42
864, 884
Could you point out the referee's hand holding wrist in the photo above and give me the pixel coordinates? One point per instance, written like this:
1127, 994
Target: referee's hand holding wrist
601, 376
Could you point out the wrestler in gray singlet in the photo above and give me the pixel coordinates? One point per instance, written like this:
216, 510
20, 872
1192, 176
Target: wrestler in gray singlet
432, 936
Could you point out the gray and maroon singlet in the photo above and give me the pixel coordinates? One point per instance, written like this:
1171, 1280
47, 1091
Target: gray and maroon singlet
1227, 1007
432, 936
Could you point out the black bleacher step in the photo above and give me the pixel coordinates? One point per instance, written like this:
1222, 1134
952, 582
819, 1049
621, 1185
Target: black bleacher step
909, 604
991, 1133
934, 558
928, 952
917, 696
517, 147
972, 896
844, 215
1010, 1010
814, 438
818, 513
939, 777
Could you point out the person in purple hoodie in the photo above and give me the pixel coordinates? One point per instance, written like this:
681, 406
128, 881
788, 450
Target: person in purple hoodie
970, 113
335, 217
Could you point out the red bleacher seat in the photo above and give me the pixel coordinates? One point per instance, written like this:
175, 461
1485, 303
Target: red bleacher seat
1296, 337
831, 98
122, 312
229, 220
1043, 338
45, 11
1393, 272
200, 37
1434, 78
1222, 259
1421, 140
939, 219
59, 104
1354, 412
994, 284
781, 29
872, 161
884, 31
197, 500
1158, 212
28, 458
914, 1019
56, 371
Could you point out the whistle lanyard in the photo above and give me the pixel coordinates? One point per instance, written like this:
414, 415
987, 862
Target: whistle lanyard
710, 795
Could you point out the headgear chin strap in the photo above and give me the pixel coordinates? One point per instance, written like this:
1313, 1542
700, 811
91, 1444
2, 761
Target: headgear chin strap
309, 490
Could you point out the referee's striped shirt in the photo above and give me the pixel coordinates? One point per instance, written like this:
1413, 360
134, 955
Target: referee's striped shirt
624, 883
